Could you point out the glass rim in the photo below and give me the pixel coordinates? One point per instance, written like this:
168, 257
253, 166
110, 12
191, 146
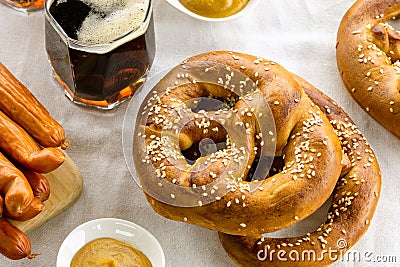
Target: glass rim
103, 47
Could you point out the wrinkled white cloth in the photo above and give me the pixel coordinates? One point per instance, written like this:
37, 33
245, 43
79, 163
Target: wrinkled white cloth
300, 35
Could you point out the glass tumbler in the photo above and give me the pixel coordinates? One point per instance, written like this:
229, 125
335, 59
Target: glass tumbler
24, 5
102, 68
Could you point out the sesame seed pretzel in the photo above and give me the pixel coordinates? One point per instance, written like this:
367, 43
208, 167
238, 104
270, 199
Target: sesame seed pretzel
238, 204
368, 53
354, 201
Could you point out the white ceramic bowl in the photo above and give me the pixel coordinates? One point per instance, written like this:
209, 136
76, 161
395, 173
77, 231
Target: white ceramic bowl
122, 230
175, 3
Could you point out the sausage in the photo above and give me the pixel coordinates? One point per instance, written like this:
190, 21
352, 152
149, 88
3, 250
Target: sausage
22, 107
39, 184
34, 209
15, 189
23, 149
1, 205
14, 244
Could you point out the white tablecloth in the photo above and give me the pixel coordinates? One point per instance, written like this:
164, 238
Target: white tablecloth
300, 35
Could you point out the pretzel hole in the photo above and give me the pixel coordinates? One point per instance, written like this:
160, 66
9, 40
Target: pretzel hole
264, 167
213, 103
207, 104
387, 38
209, 143
203, 148
394, 22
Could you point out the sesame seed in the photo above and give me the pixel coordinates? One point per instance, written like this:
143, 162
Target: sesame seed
243, 225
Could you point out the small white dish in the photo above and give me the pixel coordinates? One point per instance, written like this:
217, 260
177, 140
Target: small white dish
250, 5
122, 230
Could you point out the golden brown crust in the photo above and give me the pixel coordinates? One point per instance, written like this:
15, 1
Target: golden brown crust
304, 137
354, 201
368, 50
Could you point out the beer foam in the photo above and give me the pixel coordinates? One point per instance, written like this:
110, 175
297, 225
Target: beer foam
110, 19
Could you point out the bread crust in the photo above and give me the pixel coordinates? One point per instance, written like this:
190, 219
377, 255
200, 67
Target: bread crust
367, 53
304, 137
354, 202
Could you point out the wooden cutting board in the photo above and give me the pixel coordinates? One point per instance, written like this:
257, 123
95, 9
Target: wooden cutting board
66, 185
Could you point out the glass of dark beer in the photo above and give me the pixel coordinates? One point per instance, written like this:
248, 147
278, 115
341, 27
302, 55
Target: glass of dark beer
24, 5
100, 50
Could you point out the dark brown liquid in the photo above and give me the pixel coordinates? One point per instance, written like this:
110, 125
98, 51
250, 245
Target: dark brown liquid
96, 79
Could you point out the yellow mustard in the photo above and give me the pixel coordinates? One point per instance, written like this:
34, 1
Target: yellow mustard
109, 252
214, 8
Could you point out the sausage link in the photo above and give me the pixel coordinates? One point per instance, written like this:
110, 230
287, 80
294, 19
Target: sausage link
24, 150
14, 244
1, 206
39, 184
21, 106
34, 209
15, 189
